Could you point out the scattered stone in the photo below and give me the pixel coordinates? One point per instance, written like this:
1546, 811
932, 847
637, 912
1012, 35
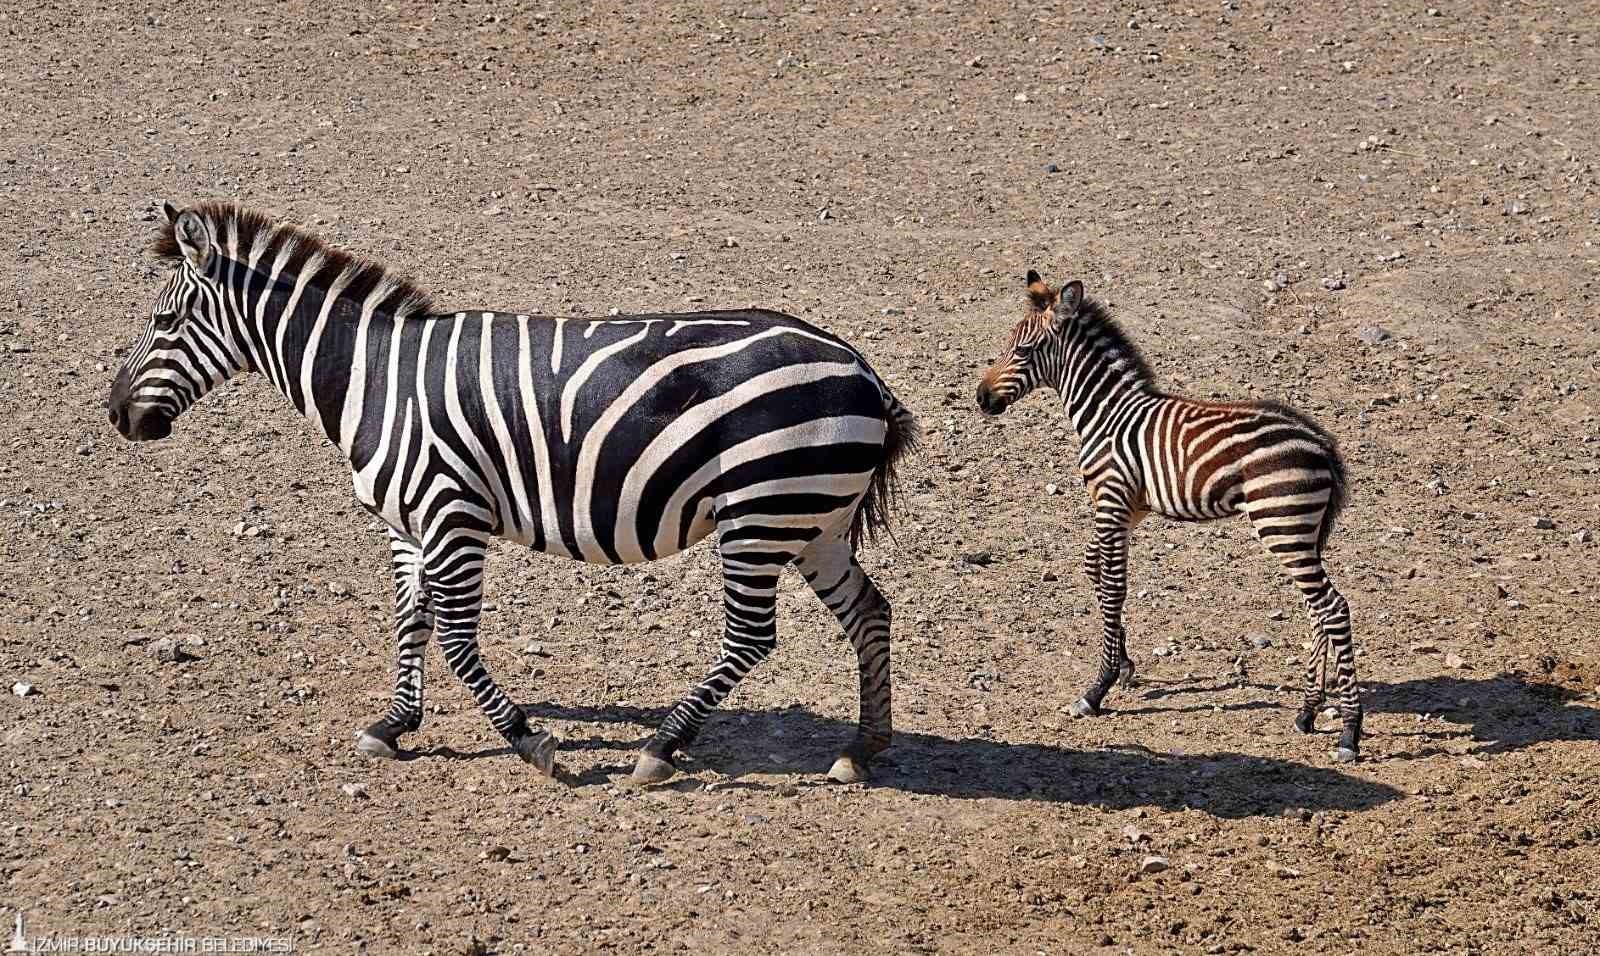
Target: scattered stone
1162, 650
1275, 615
535, 649
981, 559
1333, 283
1582, 537
1052, 489
1543, 523
354, 791
338, 588
1373, 334
1020, 98
1500, 591
23, 689
1049, 577
1154, 864
1051, 168
497, 853
167, 651
1472, 763
730, 243
85, 449
1516, 208
1258, 640
1454, 662
1133, 834
1293, 934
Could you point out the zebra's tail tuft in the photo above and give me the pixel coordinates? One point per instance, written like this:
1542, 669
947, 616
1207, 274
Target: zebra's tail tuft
1336, 497
872, 517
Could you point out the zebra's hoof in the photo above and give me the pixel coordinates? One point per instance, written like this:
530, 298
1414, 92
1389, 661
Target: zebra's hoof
848, 770
373, 746
651, 769
1345, 755
1306, 722
1084, 709
538, 749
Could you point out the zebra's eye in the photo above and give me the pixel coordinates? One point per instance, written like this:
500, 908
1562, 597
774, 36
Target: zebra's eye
166, 321
1025, 350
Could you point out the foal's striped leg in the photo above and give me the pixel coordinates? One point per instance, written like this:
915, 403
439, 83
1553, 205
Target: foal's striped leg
1289, 524
830, 567
413, 625
1113, 520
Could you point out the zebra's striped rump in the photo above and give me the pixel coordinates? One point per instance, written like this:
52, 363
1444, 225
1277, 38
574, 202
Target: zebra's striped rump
1144, 451
612, 441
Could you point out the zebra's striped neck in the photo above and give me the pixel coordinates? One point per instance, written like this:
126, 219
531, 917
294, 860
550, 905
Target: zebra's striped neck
306, 331
1101, 371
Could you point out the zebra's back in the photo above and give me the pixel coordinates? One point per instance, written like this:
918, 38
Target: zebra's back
619, 439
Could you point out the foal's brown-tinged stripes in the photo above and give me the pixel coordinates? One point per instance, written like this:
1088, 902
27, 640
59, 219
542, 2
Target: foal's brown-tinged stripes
1144, 451
613, 440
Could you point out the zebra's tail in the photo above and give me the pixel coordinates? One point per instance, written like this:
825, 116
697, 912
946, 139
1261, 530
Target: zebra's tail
902, 439
1336, 497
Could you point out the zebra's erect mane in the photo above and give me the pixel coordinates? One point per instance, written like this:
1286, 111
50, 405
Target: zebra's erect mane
1111, 339
330, 264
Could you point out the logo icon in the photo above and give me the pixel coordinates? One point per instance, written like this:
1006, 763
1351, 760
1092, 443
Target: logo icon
19, 938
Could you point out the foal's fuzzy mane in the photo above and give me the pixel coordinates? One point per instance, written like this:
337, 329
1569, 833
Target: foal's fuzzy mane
360, 275
1113, 339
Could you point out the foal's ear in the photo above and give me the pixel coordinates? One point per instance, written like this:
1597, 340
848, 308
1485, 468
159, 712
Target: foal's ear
1067, 306
171, 211
194, 238
1040, 295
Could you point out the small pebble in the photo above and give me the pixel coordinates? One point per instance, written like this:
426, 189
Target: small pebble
23, 689
1543, 523
1333, 283
354, 791
1154, 864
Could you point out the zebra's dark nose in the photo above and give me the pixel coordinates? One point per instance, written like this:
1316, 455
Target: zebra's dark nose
988, 402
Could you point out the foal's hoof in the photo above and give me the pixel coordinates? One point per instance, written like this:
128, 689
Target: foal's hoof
651, 769
538, 749
373, 746
848, 769
1346, 755
1306, 722
1084, 709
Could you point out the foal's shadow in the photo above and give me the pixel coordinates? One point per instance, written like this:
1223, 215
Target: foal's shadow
1494, 714
745, 744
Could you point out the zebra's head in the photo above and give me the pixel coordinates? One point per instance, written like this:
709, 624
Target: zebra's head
185, 350
1033, 351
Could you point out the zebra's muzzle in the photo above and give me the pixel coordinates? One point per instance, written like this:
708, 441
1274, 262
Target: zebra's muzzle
988, 402
140, 423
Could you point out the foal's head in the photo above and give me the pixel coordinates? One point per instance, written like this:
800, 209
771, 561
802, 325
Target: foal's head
1033, 351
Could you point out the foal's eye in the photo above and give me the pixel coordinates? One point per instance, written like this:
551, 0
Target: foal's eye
1023, 351
166, 321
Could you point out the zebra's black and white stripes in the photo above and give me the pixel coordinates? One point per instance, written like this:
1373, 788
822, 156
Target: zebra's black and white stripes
611, 441
1144, 451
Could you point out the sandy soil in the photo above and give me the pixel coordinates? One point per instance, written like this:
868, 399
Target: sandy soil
1181, 161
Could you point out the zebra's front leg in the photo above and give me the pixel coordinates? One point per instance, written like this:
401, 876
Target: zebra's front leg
413, 624
750, 606
837, 579
454, 569
1111, 533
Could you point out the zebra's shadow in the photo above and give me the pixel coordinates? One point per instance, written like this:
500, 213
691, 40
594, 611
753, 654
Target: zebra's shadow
744, 745
1495, 715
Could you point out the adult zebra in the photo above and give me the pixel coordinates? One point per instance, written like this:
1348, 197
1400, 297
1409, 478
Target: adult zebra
611, 441
1144, 451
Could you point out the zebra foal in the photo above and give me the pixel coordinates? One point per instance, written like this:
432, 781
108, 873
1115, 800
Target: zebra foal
1145, 452
611, 441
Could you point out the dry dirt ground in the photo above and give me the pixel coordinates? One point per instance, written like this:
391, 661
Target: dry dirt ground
888, 172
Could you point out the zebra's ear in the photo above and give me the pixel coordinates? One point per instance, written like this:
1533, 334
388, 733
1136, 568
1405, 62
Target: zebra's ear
1040, 295
1071, 299
171, 211
194, 239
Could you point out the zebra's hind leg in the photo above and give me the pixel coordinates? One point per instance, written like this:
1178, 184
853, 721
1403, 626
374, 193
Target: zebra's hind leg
1290, 527
750, 608
454, 568
1111, 536
413, 626
830, 567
